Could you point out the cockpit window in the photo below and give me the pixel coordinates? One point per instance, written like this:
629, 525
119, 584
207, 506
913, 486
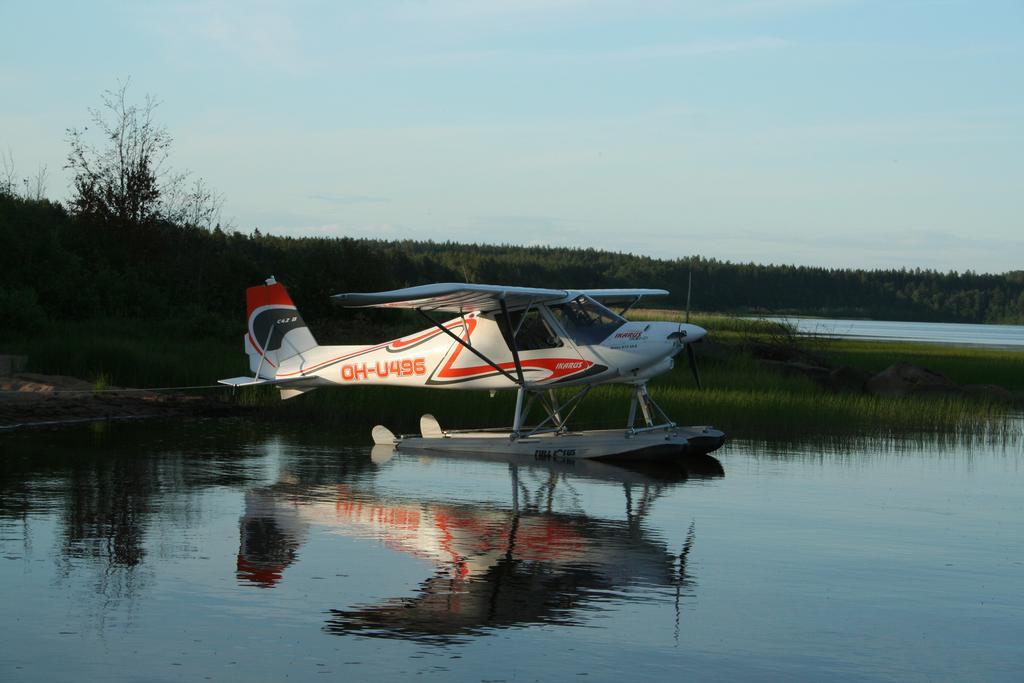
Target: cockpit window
533, 332
587, 321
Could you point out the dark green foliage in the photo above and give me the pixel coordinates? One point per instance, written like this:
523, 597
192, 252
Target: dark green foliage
20, 309
58, 267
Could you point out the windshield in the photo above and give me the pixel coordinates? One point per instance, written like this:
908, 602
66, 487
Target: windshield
587, 321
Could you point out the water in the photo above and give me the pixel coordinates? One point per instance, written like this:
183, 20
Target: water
959, 334
227, 551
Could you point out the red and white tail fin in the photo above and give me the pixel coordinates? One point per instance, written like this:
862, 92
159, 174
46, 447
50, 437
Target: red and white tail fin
277, 332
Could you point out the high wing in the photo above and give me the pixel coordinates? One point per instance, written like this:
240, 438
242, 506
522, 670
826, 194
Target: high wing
618, 296
455, 297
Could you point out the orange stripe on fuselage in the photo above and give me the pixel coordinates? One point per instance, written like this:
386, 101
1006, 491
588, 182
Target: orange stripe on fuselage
403, 342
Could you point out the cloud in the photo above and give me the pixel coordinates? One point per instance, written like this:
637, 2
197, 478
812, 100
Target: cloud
776, 6
474, 10
694, 49
256, 33
633, 53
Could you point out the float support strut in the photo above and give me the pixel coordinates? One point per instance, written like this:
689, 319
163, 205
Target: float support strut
517, 421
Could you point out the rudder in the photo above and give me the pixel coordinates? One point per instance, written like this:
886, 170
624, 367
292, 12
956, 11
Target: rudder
276, 331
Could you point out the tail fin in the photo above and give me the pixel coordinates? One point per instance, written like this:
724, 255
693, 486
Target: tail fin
277, 332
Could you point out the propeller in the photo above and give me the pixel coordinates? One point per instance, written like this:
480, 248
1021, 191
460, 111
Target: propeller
690, 355
689, 288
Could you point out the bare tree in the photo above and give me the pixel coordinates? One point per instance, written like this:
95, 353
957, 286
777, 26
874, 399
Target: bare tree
35, 187
128, 179
8, 173
194, 203
121, 180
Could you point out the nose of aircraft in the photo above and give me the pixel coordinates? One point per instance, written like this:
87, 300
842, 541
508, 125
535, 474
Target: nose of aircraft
687, 333
677, 337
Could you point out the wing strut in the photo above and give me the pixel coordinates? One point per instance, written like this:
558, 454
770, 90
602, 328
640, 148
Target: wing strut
479, 355
512, 346
630, 305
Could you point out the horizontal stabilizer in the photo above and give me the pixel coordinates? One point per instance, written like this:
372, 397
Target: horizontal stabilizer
258, 382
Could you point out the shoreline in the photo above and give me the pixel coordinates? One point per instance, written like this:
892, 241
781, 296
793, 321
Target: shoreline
38, 401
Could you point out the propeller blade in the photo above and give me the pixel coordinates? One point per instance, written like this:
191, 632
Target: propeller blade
692, 357
689, 287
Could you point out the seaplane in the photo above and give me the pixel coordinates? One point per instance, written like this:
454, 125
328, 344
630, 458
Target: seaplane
529, 340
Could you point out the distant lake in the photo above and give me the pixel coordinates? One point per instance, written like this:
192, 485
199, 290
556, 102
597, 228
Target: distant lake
957, 334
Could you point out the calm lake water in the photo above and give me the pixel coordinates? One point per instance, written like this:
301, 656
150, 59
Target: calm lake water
228, 551
1008, 336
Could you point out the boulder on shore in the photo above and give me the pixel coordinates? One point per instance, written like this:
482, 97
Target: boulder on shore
843, 379
901, 379
847, 379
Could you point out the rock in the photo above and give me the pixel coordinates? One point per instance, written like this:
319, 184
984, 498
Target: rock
901, 379
32, 399
847, 379
31, 382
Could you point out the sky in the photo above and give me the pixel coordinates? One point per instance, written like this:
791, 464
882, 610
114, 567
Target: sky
816, 132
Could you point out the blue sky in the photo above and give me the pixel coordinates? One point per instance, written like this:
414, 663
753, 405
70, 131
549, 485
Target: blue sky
864, 134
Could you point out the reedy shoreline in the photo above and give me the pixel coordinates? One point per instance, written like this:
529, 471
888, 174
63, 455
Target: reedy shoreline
742, 395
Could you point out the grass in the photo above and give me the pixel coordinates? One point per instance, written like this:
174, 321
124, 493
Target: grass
973, 365
743, 397
100, 382
124, 353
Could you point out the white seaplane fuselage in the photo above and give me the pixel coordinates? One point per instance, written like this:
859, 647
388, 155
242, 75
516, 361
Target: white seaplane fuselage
634, 352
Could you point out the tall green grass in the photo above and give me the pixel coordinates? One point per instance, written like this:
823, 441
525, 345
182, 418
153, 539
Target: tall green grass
743, 397
133, 354
963, 365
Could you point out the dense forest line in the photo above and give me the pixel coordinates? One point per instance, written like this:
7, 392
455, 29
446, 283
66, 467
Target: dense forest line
55, 266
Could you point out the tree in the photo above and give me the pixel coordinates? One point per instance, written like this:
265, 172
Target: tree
128, 178
7, 174
35, 187
194, 204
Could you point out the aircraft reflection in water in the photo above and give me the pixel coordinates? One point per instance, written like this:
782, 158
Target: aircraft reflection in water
496, 564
